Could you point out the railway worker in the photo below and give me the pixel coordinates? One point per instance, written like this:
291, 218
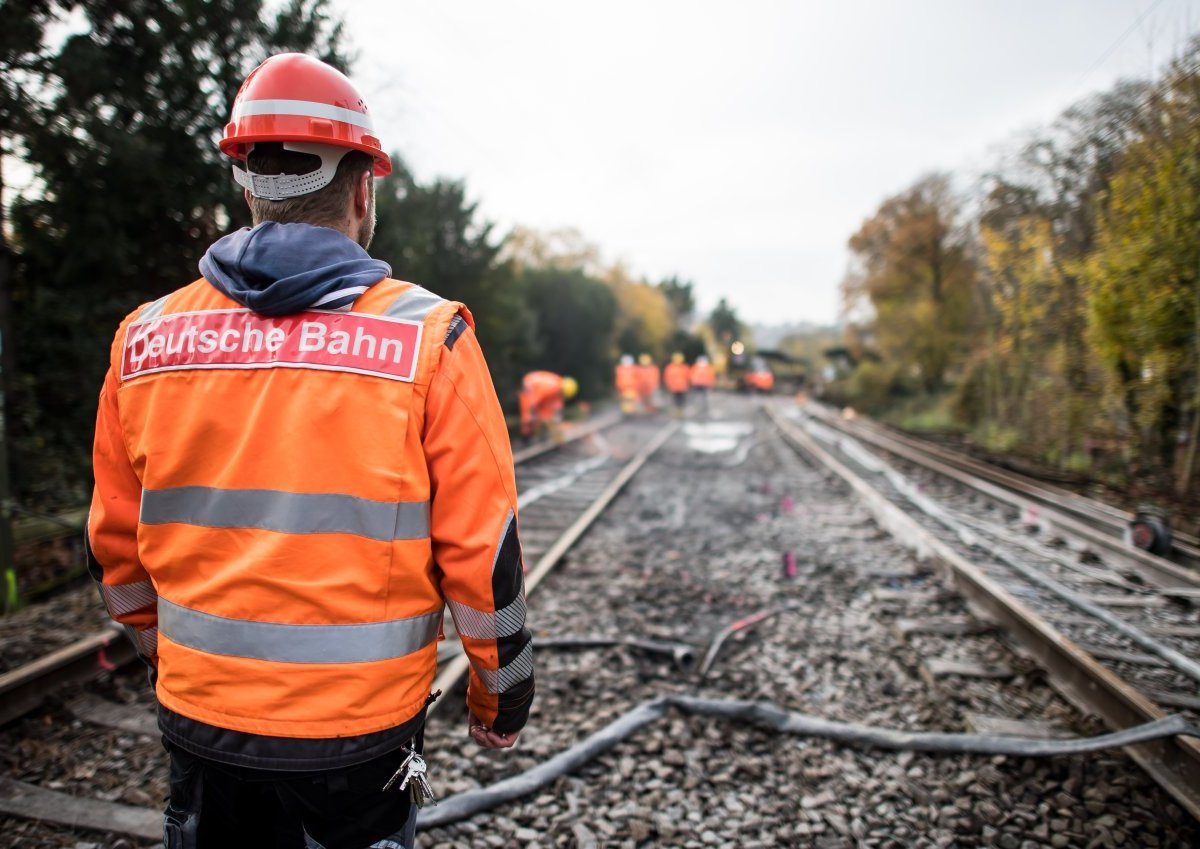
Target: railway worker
626, 382
298, 462
676, 377
542, 397
703, 378
647, 383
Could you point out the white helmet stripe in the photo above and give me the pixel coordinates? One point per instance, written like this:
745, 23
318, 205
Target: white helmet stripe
308, 108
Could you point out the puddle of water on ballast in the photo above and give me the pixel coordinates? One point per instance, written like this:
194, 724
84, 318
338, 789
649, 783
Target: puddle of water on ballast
715, 437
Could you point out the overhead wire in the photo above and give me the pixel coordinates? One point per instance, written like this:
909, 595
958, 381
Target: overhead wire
1112, 48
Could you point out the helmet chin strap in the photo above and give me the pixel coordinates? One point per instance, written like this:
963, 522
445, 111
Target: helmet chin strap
283, 186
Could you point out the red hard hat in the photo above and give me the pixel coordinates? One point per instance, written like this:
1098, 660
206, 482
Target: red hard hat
296, 98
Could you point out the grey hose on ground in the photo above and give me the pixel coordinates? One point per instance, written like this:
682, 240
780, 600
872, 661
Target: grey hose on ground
682, 655
464, 805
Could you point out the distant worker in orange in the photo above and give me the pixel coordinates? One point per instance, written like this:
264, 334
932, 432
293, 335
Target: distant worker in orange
626, 380
677, 379
760, 378
542, 396
648, 380
703, 378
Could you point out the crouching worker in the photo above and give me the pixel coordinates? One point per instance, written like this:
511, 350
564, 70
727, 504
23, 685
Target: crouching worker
542, 397
299, 462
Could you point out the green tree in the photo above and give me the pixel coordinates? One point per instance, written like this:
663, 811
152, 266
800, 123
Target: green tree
724, 324
431, 235
119, 126
680, 299
575, 317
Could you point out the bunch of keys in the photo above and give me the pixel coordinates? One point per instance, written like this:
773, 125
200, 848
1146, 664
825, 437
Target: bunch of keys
413, 769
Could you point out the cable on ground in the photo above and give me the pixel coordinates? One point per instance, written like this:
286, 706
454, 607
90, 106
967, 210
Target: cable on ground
772, 717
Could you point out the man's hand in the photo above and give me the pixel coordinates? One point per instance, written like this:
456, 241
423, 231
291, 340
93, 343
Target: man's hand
488, 738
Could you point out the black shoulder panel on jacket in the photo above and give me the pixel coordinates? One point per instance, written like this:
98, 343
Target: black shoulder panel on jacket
457, 326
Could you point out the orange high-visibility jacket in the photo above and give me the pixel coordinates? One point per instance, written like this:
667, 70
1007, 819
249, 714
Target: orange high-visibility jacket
626, 379
647, 379
283, 505
676, 378
703, 375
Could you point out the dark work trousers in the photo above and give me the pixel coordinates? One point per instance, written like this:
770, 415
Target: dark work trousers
219, 806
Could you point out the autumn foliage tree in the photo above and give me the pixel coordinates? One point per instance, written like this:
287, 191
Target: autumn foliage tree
1066, 316
1034, 380
913, 266
1143, 277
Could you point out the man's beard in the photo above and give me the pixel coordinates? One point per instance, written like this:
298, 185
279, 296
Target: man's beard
366, 230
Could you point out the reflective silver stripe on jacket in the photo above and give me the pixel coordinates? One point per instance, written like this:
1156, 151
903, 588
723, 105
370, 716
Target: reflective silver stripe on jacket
485, 625
413, 304
145, 641
296, 643
153, 310
126, 598
503, 679
286, 512
503, 536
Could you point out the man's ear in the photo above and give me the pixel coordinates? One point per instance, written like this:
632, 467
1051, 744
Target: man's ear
362, 194
249, 197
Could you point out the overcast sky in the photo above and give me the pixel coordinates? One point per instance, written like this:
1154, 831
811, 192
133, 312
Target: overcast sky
735, 144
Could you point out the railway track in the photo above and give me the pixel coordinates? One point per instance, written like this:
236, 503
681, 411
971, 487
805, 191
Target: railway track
752, 541
1085, 522
1115, 647
562, 488
731, 541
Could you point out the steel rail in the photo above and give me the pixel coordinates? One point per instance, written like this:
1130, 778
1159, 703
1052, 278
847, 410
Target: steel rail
38, 527
456, 668
1168, 576
1114, 518
577, 433
1173, 762
24, 688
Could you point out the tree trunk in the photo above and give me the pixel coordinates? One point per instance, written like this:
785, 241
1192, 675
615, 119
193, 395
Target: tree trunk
1184, 483
7, 360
